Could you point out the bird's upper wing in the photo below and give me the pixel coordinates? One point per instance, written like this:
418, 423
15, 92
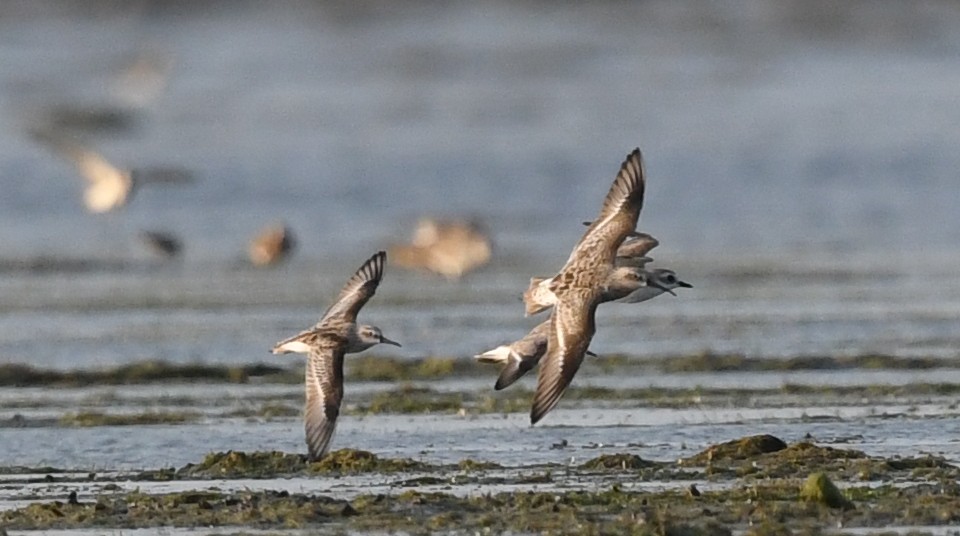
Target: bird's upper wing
637, 246
358, 289
618, 215
572, 328
94, 167
324, 385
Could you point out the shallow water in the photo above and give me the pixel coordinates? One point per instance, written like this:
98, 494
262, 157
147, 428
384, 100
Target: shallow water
801, 172
879, 426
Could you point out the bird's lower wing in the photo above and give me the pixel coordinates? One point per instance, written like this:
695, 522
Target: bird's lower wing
572, 328
324, 389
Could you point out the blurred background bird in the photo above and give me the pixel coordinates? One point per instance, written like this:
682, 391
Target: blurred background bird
271, 245
450, 248
109, 187
161, 243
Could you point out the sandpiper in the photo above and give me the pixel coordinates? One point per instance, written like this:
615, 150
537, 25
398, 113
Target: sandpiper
579, 286
108, 186
521, 356
631, 253
659, 280
450, 248
271, 245
337, 333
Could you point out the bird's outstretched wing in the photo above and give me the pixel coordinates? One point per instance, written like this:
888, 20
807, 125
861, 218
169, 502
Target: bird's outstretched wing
324, 385
618, 215
572, 328
358, 289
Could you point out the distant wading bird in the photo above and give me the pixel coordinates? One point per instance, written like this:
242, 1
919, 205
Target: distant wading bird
450, 248
336, 334
271, 245
580, 285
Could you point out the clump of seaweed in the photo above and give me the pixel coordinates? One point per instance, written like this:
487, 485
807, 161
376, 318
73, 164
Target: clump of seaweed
237, 464
818, 488
413, 399
713, 362
361, 461
373, 368
617, 461
187, 509
94, 418
268, 411
21, 375
766, 456
737, 450
477, 465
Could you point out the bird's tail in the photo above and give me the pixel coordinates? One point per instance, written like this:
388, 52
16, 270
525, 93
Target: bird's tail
299, 343
533, 299
513, 366
500, 354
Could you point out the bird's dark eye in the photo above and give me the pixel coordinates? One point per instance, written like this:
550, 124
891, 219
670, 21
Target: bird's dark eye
670, 279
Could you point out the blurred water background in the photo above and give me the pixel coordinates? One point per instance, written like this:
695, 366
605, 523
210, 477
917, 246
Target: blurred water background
802, 160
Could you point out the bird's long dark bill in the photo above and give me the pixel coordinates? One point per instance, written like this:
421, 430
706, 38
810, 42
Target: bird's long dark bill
659, 286
684, 284
385, 340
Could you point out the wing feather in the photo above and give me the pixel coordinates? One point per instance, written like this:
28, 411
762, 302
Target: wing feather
324, 389
523, 355
572, 328
358, 290
637, 246
618, 215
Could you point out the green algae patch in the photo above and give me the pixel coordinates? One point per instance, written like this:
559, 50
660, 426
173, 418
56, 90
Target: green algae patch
93, 418
237, 464
766, 456
361, 461
469, 465
373, 368
21, 375
267, 411
818, 488
711, 362
413, 399
618, 461
737, 449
